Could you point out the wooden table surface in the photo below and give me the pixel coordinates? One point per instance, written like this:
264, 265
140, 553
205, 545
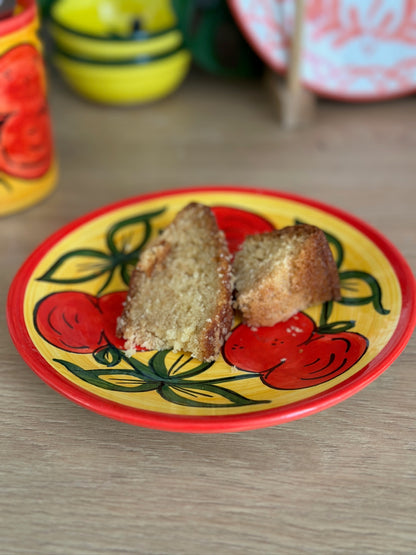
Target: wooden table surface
342, 481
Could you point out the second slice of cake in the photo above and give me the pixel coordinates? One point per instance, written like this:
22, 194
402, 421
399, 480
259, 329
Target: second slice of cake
282, 272
180, 294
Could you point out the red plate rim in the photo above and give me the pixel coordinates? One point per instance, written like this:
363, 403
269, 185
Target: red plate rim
223, 423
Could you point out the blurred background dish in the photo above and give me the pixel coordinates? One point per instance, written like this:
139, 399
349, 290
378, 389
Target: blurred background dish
105, 30
114, 18
353, 50
115, 48
118, 52
214, 39
122, 83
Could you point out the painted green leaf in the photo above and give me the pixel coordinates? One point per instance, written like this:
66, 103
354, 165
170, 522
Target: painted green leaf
126, 270
326, 312
200, 394
332, 327
124, 241
337, 248
175, 371
145, 370
175, 389
78, 266
158, 364
357, 282
108, 356
181, 374
130, 235
336, 327
95, 377
126, 383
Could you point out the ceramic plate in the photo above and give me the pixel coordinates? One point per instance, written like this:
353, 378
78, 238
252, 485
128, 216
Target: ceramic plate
64, 302
353, 50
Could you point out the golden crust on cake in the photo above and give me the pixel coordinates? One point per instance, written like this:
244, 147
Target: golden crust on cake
282, 272
180, 293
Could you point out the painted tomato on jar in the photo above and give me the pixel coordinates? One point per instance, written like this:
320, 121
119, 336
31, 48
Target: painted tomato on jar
22, 80
25, 129
26, 144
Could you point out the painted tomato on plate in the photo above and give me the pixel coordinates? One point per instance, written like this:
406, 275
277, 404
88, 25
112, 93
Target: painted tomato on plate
78, 322
237, 224
293, 354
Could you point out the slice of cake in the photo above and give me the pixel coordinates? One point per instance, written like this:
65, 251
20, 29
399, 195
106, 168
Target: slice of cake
180, 293
281, 272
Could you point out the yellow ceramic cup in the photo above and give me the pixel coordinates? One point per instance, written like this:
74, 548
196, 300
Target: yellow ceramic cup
128, 83
106, 49
111, 30
108, 19
27, 163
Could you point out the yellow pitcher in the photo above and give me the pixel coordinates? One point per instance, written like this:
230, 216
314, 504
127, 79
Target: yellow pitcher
27, 161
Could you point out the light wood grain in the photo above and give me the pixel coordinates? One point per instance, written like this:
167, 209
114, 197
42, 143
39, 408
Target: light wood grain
340, 482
